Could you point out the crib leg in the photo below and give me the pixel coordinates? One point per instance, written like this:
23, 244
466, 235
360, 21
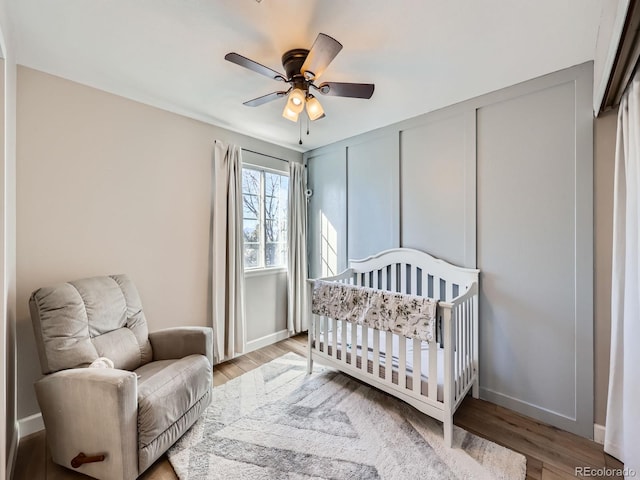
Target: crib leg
309, 350
447, 426
475, 389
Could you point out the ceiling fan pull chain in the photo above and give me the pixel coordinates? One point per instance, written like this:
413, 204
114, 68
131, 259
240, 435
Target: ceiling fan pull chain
300, 141
307, 125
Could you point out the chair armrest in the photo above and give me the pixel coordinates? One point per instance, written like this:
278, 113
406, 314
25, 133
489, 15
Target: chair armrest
94, 411
179, 342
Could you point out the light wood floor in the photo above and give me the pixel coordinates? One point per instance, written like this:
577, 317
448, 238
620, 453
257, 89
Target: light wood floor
551, 453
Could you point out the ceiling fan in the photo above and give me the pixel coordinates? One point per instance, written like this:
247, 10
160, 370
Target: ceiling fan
303, 67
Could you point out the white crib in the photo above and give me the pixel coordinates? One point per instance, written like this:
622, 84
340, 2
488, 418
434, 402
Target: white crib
432, 376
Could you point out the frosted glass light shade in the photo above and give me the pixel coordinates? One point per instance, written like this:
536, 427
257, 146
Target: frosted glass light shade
296, 100
314, 109
290, 114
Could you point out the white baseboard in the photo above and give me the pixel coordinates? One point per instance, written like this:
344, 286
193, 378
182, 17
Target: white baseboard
29, 425
598, 433
266, 340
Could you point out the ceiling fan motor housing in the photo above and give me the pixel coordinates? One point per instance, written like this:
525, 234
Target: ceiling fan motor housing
292, 62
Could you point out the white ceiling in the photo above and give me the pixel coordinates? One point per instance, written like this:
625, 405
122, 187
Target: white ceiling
421, 54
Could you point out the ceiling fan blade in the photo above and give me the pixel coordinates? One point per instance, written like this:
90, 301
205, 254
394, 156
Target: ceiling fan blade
323, 51
255, 66
354, 90
256, 102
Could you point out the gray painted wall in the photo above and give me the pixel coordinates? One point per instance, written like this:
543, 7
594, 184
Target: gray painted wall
372, 196
528, 227
604, 159
327, 212
119, 187
438, 186
528, 242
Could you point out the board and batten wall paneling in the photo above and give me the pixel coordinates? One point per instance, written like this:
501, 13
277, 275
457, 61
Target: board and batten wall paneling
503, 181
327, 213
372, 196
535, 239
438, 187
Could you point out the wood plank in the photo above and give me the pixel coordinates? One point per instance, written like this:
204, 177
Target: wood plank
31, 458
219, 378
534, 468
554, 447
160, 470
245, 363
551, 473
551, 454
229, 369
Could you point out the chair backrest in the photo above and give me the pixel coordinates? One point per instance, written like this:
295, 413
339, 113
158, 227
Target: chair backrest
77, 322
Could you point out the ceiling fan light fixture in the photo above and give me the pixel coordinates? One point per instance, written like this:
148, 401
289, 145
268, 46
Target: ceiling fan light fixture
290, 114
314, 108
296, 100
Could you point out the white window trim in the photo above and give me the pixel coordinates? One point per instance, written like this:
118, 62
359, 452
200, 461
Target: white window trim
261, 271
264, 270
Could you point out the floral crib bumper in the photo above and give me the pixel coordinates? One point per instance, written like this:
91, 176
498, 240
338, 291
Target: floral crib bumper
408, 315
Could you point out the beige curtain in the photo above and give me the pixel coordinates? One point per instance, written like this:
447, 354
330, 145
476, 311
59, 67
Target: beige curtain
297, 250
622, 434
227, 267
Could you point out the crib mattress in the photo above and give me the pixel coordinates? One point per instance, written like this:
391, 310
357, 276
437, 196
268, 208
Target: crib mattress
395, 361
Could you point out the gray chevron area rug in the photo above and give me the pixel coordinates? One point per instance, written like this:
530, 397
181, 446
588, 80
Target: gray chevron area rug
277, 422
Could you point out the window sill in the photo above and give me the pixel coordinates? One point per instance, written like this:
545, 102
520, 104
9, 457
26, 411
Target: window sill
259, 272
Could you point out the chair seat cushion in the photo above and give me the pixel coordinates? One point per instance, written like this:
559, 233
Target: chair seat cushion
166, 390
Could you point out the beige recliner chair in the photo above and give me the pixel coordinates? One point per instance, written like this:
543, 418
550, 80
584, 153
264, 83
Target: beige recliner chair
130, 414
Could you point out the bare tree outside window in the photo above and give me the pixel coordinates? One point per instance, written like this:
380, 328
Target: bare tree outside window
265, 196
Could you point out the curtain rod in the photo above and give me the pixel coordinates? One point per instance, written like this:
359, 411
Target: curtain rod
265, 155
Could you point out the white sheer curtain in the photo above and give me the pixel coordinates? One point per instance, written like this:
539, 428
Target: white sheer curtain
622, 437
297, 250
227, 269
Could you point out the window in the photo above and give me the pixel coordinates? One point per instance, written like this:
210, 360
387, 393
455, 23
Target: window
264, 224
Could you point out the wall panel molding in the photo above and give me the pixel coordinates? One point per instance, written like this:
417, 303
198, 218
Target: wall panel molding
440, 212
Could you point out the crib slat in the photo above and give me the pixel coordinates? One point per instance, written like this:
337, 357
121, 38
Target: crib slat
465, 351
354, 345
414, 280
343, 342
388, 357
364, 361
334, 340
474, 336
417, 366
436, 288
374, 284
393, 286
402, 362
376, 353
403, 277
384, 279
469, 337
433, 370
460, 332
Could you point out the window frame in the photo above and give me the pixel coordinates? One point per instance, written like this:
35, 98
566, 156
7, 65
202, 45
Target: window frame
262, 268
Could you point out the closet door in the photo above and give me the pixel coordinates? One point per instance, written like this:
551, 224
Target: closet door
534, 231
